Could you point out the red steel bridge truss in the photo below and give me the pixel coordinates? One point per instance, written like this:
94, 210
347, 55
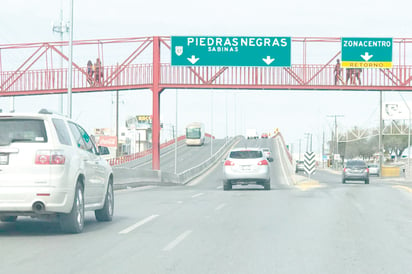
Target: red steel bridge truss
144, 63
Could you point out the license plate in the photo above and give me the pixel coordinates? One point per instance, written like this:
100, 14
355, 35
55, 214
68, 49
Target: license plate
4, 159
246, 168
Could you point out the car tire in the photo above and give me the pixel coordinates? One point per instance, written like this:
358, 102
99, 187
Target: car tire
73, 222
266, 185
8, 219
106, 213
367, 181
227, 185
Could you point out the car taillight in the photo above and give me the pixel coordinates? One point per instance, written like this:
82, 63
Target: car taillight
50, 157
263, 163
344, 170
367, 170
229, 163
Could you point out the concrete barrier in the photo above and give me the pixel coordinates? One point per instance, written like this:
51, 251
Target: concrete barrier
390, 171
131, 177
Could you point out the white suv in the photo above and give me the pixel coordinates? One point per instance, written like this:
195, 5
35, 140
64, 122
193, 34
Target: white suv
50, 166
244, 166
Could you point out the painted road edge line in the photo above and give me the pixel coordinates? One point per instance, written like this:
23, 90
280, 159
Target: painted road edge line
138, 224
403, 187
220, 207
177, 241
135, 189
198, 195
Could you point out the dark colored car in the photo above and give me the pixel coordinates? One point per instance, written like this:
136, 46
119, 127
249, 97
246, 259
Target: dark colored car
300, 166
355, 170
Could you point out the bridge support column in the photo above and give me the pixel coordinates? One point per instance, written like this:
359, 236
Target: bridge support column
156, 90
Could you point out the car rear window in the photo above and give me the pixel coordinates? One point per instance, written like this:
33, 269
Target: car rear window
356, 163
246, 154
22, 130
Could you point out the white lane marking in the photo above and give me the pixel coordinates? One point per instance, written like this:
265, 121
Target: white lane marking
180, 202
219, 187
134, 189
138, 224
197, 195
177, 241
281, 163
220, 207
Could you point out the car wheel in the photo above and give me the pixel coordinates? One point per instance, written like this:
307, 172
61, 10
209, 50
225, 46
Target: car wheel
73, 222
227, 185
266, 185
367, 181
8, 219
106, 213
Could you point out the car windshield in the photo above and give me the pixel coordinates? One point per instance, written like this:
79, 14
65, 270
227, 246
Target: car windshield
22, 130
246, 154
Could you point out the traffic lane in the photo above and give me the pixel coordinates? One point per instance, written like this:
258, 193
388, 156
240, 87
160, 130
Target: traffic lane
187, 157
191, 156
334, 178
333, 230
33, 239
213, 178
269, 231
183, 230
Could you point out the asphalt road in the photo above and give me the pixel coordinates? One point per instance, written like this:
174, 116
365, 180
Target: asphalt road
319, 226
187, 156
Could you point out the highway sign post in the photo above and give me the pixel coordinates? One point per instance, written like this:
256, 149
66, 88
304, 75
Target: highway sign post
231, 51
366, 52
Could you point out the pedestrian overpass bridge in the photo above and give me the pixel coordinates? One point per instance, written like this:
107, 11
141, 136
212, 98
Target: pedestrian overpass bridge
145, 63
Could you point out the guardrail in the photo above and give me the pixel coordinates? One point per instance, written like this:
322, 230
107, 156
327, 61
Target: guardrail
188, 175
128, 177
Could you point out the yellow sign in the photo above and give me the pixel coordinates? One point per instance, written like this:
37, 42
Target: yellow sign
354, 64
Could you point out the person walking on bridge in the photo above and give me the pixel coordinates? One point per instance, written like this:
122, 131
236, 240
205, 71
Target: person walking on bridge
90, 72
98, 73
338, 72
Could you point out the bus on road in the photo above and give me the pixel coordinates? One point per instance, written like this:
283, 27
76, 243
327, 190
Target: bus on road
195, 134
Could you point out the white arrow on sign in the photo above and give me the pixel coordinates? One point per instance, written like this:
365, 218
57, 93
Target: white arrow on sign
268, 60
193, 59
366, 57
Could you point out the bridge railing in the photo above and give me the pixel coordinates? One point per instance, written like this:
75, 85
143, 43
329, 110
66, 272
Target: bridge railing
135, 76
277, 77
55, 80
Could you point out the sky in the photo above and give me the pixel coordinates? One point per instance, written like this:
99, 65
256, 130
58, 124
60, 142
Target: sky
295, 113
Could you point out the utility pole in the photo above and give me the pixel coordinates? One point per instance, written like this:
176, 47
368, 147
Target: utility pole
323, 148
61, 28
336, 135
70, 75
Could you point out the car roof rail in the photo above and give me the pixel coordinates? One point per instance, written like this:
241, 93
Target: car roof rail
48, 111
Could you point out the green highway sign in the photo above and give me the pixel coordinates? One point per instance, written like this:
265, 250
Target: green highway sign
366, 52
231, 51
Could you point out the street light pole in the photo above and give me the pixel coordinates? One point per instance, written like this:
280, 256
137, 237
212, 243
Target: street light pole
70, 76
176, 136
336, 134
211, 123
61, 28
409, 134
